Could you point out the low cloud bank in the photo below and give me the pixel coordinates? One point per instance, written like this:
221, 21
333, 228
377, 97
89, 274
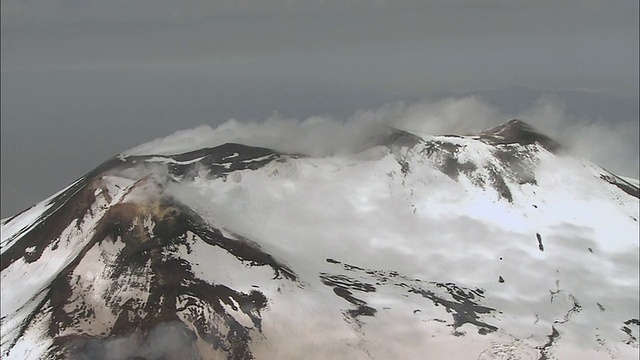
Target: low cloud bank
170, 340
611, 145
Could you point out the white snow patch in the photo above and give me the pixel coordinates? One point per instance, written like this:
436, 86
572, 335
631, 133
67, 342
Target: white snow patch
230, 156
173, 161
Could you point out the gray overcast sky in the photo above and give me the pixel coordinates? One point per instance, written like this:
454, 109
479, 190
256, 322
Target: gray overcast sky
84, 80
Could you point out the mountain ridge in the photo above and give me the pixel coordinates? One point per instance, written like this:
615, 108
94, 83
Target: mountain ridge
244, 252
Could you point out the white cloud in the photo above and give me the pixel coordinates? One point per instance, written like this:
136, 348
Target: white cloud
610, 145
324, 135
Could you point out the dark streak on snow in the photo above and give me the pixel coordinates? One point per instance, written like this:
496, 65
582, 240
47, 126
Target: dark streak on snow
29, 319
519, 161
444, 155
540, 246
622, 184
463, 305
632, 340
575, 308
69, 206
515, 162
498, 183
343, 287
546, 348
463, 308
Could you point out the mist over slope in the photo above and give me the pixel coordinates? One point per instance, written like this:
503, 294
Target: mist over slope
599, 128
609, 143
359, 240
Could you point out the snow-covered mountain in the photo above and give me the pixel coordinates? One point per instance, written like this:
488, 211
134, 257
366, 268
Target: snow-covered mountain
487, 246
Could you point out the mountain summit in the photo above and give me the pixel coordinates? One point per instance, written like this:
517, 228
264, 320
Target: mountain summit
487, 246
517, 131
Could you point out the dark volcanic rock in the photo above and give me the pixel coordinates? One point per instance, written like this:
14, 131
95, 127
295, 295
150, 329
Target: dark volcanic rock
517, 131
462, 303
622, 184
143, 257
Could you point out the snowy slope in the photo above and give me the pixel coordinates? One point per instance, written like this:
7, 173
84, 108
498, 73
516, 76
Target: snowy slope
488, 246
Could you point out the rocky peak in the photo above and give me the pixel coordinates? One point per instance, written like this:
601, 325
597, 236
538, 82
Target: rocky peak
518, 131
